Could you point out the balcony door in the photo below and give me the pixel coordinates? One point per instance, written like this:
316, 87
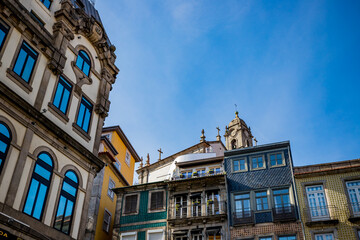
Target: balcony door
196, 205
317, 202
354, 194
181, 206
213, 202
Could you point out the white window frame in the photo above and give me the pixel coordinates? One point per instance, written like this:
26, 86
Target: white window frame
118, 162
322, 216
324, 235
164, 201
128, 234
137, 204
127, 158
148, 232
109, 223
357, 194
110, 193
276, 165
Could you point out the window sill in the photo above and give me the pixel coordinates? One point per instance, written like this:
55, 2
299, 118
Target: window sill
54, 110
156, 210
129, 214
276, 166
257, 169
81, 132
18, 80
240, 171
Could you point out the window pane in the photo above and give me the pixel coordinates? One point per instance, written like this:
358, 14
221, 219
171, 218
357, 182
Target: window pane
68, 188
86, 69
65, 101
72, 176
46, 3
79, 62
86, 120
236, 165
40, 201
81, 115
31, 197
29, 65
20, 61
3, 146
42, 172
60, 213
4, 131
58, 94
46, 158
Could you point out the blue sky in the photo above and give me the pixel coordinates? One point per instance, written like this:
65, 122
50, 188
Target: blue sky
292, 68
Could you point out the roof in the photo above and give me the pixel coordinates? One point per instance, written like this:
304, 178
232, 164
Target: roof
117, 172
182, 152
327, 168
125, 140
201, 161
88, 8
257, 148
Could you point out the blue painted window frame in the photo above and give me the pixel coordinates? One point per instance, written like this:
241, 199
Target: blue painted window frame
84, 114
62, 95
39, 186
5, 140
83, 62
4, 30
25, 62
67, 196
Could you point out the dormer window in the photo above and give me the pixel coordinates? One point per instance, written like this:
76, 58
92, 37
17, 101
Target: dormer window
83, 62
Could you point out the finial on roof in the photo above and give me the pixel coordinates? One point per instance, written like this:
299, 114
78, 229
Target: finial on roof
202, 136
237, 114
147, 160
160, 152
141, 162
255, 140
218, 137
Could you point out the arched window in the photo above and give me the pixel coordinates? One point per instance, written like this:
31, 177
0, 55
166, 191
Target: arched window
39, 186
67, 201
5, 140
233, 144
83, 62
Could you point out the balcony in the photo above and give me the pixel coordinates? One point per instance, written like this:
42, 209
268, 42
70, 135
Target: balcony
243, 217
321, 215
198, 175
283, 213
196, 210
354, 212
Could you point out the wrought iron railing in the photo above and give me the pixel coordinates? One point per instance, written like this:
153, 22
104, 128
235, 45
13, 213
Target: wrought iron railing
197, 209
245, 216
284, 212
321, 214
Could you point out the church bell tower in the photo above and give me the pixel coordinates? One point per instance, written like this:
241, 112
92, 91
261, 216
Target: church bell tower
238, 134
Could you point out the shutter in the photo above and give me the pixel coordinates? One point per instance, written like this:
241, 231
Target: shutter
157, 200
130, 204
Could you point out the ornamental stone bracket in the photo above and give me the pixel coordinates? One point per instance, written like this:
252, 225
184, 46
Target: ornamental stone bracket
57, 63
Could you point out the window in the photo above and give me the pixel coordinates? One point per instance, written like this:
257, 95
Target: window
257, 162
62, 95
181, 206
131, 204
36, 18
276, 159
107, 221
155, 235
353, 188
25, 62
261, 201
127, 158
324, 236
186, 174
4, 29
5, 140
199, 172
66, 203
110, 192
84, 114
317, 202
287, 238
157, 200
242, 205
239, 165
83, 62
282, 200
196, 204
117, 164
39, 186
265, 238
213, 203
128, 236
47, 3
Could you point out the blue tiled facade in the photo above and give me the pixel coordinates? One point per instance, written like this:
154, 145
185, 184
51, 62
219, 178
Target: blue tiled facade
250, 181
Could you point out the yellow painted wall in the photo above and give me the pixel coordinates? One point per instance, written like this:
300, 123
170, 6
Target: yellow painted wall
126, 170
336, 195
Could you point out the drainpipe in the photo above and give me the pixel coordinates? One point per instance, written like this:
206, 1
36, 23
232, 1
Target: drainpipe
295, 192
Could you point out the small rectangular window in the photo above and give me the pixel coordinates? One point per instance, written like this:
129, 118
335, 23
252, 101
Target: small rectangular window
261, 201
4, 29
37, 18
257, 162
130, 204
157, 200
265, 238
287, 237
239, 165
62, 95
47, 3
111, 186
353, 188
276, 159
324, 236
117, 164
127, 158
25, 62
107, 221
84, 114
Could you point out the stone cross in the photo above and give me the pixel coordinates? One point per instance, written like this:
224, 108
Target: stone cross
218, 137
160, 152
255, 141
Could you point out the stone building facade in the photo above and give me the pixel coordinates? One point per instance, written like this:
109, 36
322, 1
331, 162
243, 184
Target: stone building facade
56, 72
329, 200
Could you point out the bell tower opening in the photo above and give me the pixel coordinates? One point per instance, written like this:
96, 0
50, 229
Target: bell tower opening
233, 144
